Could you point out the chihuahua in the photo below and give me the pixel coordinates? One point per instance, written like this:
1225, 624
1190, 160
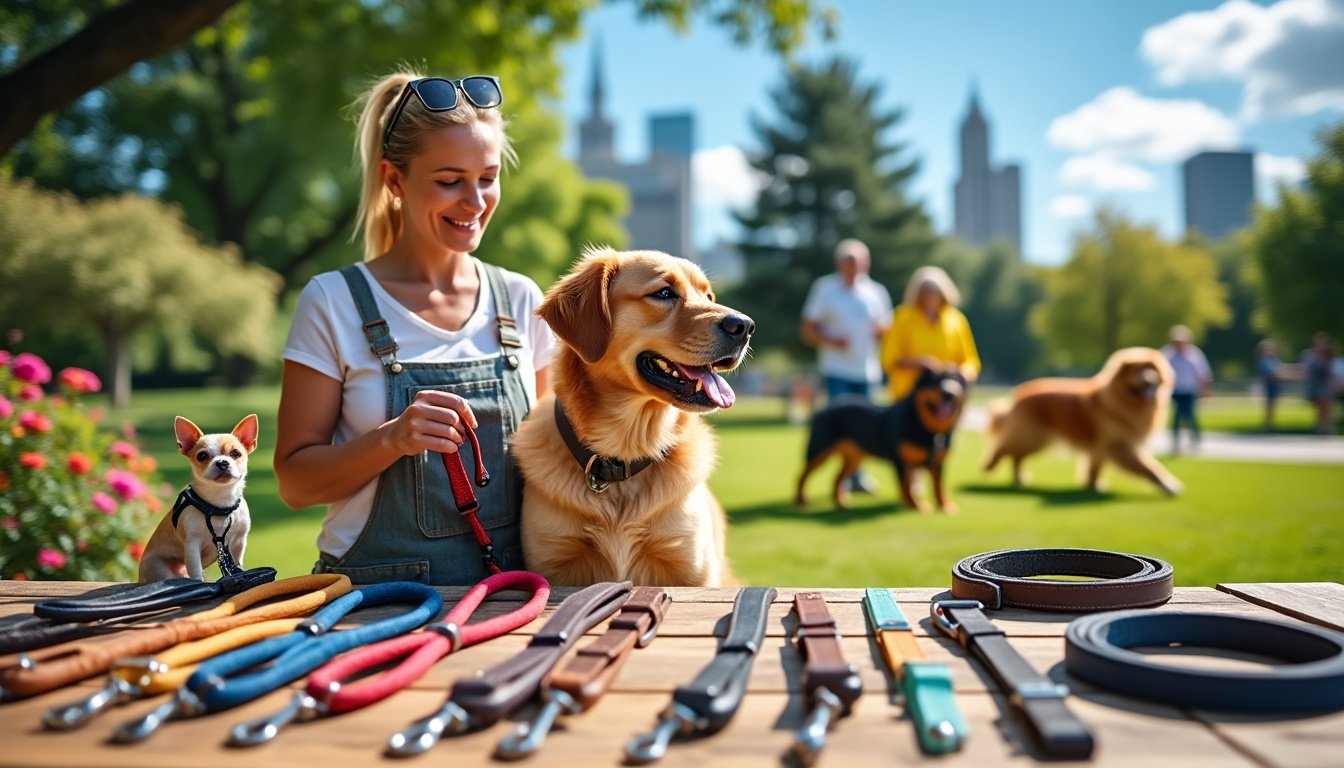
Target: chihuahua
209, 522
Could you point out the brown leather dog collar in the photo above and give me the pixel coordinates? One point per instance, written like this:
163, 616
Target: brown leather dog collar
1010, 578
599, 471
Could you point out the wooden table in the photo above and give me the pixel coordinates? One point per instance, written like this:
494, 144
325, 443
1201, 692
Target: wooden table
1128, 732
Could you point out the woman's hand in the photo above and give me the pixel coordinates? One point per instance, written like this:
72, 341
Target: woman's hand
432, 422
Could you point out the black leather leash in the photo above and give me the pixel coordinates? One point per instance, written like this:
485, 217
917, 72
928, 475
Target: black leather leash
485, 699
599, 471
710, 701
1097, 649
1040, 700
58, 621
189, 498
1012, 578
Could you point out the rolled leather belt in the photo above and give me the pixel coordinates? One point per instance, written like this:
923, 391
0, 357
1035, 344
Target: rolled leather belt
1004, 578
1097, 649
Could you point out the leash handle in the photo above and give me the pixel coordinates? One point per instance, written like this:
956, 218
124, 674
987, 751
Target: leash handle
465, 498
421, 650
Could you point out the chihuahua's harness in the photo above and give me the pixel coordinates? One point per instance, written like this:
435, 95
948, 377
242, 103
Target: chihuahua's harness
189, 497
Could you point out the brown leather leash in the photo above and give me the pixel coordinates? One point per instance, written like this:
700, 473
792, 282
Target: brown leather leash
830, 684
581, 682
1012, 578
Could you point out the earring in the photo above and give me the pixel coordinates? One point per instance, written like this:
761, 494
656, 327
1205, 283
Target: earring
396, 203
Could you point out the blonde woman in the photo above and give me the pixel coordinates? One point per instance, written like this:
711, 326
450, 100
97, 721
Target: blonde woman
387, 359
927, 331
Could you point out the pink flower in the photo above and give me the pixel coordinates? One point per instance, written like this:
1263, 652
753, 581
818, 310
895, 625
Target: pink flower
33, 460
35, 421
128, 430
50, 558
30, 393
30, 368
104, 503
80, 380
4, 357
126, 485
10, 523
123, 449
78, 463
6, 408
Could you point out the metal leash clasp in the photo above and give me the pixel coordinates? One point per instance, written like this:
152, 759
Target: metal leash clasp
70, 716
183, 704
529, 737
423, 734
674, 720
300, 708
944, 622
811, 736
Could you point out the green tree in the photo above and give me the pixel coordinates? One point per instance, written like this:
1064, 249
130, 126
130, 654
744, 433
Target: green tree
998, 292
832, 171
1125, 286
1231, 348
1297, 249
123, 267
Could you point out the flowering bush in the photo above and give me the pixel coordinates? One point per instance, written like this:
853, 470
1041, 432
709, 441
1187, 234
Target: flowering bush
73, 498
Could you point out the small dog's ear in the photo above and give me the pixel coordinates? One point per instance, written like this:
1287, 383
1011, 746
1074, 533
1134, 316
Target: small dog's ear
246, 432
187, 434
578, 309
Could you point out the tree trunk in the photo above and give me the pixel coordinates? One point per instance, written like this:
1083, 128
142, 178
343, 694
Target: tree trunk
119, 367
109, 45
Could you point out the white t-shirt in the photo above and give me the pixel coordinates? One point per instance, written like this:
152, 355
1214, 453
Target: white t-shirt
853, 313
328, 336
1191, 368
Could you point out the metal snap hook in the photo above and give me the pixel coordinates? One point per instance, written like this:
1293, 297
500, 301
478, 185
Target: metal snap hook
70, 716
653, 745
811, 736
944, 622
529, 737
255, 732
184, 704
423, 734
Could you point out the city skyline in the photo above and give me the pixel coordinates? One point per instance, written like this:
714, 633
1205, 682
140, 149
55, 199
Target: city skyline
1100, 103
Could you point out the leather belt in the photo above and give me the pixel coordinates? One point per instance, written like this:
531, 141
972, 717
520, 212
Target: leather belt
1097, 649
217, 683
325, 693
1040, 700
926, 686
63, 620
481, 701
59, 665
1005, 579
586, 677
710, 701
830, 684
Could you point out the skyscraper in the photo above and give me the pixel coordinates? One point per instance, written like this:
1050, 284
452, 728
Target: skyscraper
659, 187
1219, 191
987, 200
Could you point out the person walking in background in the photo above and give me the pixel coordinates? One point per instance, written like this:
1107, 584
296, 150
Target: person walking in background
844, 316
1193, 379
928, 331
1270, 371
1317, 381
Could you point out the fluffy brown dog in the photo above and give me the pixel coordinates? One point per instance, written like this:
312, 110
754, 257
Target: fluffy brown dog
626, 497
1108, 417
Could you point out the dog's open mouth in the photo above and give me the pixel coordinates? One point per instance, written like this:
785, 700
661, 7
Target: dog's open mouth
697, 385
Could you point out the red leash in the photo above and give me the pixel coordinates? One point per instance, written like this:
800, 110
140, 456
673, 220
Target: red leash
420, 650
465, 497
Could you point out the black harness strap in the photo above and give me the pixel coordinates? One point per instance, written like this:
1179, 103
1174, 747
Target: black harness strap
189, 498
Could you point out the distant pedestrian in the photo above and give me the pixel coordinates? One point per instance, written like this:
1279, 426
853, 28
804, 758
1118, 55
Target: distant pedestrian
1318, 381
844, 317
928, 331
1270, 372
1193, 380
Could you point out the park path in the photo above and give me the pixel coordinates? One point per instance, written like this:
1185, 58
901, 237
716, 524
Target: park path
1226, 446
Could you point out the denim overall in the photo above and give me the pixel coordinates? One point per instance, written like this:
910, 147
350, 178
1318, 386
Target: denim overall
414, 532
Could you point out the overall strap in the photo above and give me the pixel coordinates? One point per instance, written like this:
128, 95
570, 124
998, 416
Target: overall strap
510, 343
375, 327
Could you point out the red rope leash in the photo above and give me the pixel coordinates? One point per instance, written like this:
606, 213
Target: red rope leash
465, 497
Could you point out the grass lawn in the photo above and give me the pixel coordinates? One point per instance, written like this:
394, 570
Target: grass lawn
1236, 521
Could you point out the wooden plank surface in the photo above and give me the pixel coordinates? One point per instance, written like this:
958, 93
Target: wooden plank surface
877, 733
1319, 602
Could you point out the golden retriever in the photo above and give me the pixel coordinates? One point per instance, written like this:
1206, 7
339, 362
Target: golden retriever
644, 343
1107, 417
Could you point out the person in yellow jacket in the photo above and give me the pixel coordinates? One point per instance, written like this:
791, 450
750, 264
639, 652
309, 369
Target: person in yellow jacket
927, 330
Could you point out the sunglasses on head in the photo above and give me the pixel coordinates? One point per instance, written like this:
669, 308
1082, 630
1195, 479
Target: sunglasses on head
439, 94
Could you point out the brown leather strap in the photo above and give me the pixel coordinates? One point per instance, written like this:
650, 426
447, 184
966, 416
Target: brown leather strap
598, 470
1012, 578
819, 639
590, 673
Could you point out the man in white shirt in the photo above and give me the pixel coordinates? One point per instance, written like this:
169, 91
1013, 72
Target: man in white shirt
1193, 378
844, 317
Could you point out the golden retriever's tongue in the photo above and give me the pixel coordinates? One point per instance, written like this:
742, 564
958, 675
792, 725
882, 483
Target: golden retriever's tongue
716, 388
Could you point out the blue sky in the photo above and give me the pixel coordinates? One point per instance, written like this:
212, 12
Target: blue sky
1099, 101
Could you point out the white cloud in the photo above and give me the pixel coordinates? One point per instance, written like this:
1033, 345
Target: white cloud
1070, 207
1130, 126
721, 177
1287, 55
1105, 172
1273, 170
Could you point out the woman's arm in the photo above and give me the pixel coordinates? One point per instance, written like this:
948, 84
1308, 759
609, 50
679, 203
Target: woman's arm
310, 469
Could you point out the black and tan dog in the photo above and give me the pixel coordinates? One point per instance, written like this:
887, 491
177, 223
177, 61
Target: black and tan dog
915, 431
